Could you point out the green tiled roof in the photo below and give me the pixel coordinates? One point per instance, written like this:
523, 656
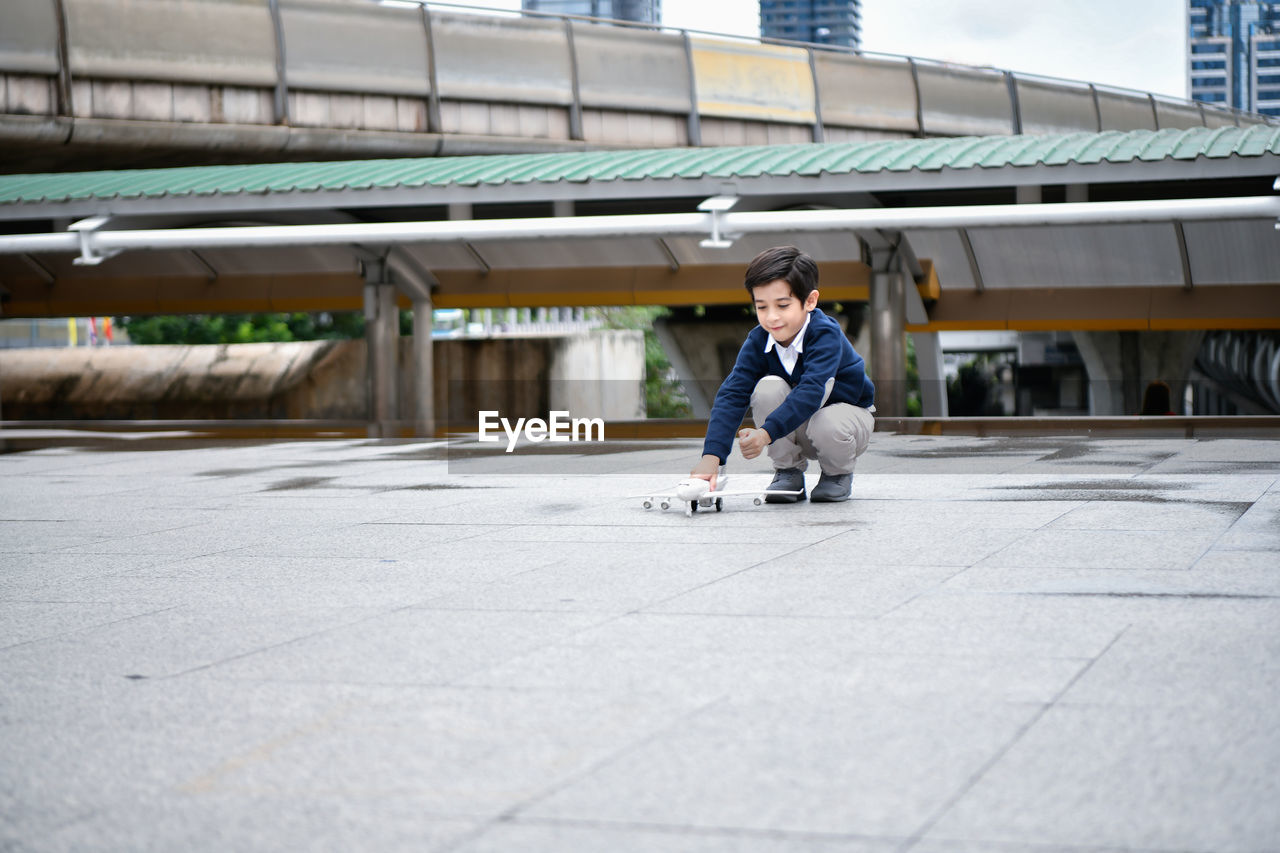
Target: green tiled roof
842, 158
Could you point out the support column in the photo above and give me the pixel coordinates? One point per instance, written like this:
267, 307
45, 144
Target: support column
1122, 364
424, 386
382, 340
1100, 352
933, 379
889, 343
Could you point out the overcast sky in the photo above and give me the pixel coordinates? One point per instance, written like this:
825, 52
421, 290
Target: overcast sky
1137, 44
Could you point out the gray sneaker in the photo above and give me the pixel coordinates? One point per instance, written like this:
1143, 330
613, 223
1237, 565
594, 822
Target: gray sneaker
832, 488
786, 480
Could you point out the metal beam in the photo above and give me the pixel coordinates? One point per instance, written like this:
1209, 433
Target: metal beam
649, 225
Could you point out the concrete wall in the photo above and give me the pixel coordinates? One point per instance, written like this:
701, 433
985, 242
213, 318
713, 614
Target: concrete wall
238, 381
597, 374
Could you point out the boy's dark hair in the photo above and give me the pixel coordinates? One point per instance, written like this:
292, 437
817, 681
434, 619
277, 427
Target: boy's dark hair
787, 263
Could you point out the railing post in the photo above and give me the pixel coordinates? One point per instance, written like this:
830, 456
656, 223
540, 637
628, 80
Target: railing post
575, 109
695, 120
1015, 104
281, 99
915, 83
66, 105
433, 81
818, 132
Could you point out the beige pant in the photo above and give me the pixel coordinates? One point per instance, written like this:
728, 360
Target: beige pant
835, 435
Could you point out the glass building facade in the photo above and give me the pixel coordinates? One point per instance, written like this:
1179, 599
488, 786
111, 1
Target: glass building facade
644, 11
1233, 53
837, 22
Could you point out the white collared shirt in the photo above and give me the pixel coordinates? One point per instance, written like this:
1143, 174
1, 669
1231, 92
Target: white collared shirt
789, 354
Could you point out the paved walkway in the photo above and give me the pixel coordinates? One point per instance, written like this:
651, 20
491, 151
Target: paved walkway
1008, 644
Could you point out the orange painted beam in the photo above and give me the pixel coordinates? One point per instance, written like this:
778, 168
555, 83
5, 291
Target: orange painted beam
1106, 309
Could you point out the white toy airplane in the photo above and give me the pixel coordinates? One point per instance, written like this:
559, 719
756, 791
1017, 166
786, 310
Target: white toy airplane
696, 493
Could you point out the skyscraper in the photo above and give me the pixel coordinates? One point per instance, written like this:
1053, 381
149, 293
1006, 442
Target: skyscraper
644, 11
818, 21
1233, 53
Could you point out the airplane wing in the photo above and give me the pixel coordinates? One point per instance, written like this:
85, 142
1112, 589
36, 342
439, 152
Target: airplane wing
738, 492
704, 499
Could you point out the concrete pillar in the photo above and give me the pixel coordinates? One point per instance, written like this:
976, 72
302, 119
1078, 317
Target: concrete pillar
1101, 356
424, 386
889, 343
382, 339
1122, 364
933, 379
672, 343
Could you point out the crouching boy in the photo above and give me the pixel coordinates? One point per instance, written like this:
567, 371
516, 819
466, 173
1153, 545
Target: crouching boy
807, 387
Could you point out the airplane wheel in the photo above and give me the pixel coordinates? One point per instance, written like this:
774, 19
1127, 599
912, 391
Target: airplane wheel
756, 501
719, 504
665, 505
648, 504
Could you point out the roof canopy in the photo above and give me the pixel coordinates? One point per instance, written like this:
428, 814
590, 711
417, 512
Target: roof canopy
1139, 242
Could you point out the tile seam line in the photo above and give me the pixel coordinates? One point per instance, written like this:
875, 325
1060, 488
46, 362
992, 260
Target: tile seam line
507, 816
755, 565
984, 558
931, 590
457, 681
87, 628
930, 822
700, 829
1223, 533
273, 646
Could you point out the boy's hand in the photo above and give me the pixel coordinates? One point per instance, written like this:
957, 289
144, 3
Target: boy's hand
752, 441
707, 469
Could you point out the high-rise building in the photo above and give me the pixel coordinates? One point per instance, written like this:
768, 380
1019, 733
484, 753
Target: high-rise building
644, 11
818, 21
1233, 53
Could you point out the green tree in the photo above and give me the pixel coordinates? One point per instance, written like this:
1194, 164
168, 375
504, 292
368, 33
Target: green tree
243, 328
663, 395
914, 406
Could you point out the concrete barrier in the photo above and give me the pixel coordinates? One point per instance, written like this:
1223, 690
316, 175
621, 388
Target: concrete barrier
596, 374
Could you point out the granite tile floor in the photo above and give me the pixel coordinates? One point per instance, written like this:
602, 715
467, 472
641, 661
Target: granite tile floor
1000, 644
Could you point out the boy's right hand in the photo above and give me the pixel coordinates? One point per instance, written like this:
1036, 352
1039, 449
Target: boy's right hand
707, 469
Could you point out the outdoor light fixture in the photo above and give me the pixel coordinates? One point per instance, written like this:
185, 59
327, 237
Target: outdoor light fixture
717, 206
1276, 186
88, 256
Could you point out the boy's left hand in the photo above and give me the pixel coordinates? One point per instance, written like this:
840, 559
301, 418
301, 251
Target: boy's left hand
752, 442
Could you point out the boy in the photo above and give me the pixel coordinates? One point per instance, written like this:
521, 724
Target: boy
807, 388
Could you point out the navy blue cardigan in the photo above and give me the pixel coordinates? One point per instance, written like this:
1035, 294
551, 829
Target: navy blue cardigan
827, 354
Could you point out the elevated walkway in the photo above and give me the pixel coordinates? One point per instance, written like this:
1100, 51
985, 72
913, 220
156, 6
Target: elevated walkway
87, 83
